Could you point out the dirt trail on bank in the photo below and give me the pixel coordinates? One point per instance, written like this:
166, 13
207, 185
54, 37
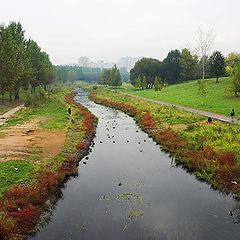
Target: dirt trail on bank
29, 138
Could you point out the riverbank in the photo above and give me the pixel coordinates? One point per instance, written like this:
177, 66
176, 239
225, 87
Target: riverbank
210, 151
45, 146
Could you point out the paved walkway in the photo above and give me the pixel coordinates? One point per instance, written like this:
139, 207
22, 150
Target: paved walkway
8, 114
201, 112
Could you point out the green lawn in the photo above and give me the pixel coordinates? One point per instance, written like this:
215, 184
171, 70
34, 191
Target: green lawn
218, 99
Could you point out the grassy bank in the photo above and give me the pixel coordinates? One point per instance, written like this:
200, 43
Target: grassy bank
27, 182
211, 151
218, 99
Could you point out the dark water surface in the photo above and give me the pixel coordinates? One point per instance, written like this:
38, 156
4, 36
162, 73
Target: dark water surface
134, 191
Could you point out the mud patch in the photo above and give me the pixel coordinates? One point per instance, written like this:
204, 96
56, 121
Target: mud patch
28, 139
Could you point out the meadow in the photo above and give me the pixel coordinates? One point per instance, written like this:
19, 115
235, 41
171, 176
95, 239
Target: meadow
218, 99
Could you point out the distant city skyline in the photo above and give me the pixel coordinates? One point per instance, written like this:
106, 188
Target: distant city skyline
109, 29
123, 62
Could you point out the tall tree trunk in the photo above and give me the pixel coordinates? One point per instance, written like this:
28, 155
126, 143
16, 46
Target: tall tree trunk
16, 93
217, 78
203, 69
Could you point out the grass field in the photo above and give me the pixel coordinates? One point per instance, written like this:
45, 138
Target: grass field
218, 99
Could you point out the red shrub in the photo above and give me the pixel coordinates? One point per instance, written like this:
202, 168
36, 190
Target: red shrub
147, 122
227, 158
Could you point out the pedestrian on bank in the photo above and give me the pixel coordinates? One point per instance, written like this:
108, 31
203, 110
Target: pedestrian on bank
70, 111
232, 114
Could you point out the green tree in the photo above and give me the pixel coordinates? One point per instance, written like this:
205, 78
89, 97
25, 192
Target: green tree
144, 82
138, 82
236, 80
14, 58
158, 85
110, 77
188, 65
232, 59
217, 64
170, 67
147, 67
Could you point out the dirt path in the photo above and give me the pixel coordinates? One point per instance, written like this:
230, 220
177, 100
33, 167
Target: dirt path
29, 139
8, 114
219, 117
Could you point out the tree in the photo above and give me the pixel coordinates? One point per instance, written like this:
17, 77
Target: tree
236, 80
217, 64
14, 58
147, 67
232, 59
204, 44
158, 85
138, 82
170, 67
110, 77
188, 65
201, 91
144, 82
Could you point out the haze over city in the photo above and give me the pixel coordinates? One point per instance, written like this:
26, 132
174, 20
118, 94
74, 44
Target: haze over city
110, 29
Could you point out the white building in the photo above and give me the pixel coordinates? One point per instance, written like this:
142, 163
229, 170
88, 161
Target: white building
83, 62
127, 62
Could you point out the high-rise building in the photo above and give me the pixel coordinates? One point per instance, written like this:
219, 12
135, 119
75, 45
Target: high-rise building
83, 62
127, 62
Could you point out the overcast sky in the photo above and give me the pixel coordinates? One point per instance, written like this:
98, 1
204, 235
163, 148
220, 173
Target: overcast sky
109, 29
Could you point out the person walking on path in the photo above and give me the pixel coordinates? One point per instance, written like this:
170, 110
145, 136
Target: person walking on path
70, 111
232, 114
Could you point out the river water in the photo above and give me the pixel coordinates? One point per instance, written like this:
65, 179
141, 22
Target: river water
130, 189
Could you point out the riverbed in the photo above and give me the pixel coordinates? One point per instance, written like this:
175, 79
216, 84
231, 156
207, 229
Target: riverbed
128, 188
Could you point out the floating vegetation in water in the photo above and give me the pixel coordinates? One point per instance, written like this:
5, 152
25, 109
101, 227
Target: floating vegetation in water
129, 197
135, 214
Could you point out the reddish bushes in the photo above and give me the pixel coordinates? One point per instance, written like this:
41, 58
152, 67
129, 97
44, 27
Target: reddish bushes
147, 122
227, 158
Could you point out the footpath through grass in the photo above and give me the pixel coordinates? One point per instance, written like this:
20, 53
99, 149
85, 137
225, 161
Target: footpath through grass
211, 151
218, 99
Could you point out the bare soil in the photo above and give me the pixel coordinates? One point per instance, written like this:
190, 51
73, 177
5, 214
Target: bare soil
28, 139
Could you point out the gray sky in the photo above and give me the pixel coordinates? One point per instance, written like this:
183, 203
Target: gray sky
109, 29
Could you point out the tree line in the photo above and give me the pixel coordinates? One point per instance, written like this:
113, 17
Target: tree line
178, 67
111, 77
183, 66
74, 73
22, 62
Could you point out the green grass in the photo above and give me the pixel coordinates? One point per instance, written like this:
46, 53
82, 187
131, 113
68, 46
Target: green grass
54, 109
55, 117
219, 99
14, 172
162, 114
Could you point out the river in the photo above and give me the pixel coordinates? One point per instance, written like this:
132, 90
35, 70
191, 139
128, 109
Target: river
128, 188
